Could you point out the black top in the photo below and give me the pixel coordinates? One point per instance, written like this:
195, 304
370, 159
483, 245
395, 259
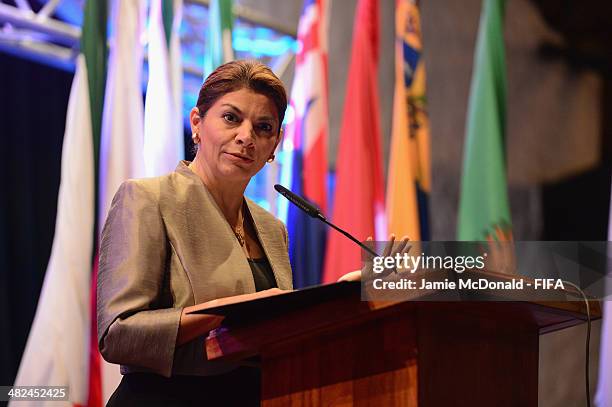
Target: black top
262, 274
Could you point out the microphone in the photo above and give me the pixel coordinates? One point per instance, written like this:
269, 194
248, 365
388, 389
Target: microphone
300, 202
314, 212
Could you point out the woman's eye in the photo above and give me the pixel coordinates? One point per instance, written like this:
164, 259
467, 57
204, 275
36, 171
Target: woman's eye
267, 127
229, 117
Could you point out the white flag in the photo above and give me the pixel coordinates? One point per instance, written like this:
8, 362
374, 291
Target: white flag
57, 350
163, 142
121, 141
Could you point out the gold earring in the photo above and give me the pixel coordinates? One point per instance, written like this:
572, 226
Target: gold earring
196, 138
271, 158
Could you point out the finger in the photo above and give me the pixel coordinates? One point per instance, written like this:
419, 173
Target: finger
500, 233
389, 246
371, 246
369, 256
352, 276
493, 242
404, 246
400, 246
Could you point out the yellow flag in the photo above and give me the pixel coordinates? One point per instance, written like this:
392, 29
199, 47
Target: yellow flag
409, 175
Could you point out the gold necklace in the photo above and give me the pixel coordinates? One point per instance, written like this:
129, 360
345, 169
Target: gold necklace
238, 230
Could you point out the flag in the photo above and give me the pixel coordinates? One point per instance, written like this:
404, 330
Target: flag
121, 144
603, 396
173, 18
304, 152
409, 175
219, 48
57, 350
163, 129
359, 199
121, 148
484, 212
58, 347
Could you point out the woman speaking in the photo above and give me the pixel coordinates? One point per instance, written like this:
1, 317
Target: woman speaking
178, 242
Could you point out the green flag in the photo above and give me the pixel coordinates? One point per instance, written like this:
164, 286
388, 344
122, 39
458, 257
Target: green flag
168, 19
484, 211
219, 41
95, 53
93, 47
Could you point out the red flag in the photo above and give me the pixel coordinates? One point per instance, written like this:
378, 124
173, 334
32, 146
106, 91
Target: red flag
359, 197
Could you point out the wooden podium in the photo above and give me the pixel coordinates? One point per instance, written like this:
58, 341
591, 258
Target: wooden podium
341, 351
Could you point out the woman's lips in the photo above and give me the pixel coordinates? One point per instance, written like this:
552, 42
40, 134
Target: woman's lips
240, 158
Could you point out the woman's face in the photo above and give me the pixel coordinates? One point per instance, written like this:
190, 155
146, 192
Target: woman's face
238, 134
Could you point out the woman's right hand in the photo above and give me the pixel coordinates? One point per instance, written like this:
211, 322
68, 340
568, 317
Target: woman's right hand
240, 298
193, 325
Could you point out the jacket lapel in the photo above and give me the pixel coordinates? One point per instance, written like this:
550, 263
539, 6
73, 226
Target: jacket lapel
203, 240
206, 245
271, 238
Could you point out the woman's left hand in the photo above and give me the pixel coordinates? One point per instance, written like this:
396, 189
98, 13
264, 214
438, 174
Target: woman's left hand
402, 247
352, 276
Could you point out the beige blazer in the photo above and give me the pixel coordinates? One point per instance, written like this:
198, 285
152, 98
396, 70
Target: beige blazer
165, 246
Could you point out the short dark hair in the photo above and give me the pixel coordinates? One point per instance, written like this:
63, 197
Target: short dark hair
236, 75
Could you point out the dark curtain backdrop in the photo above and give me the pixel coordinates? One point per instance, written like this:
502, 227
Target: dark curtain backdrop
33, 103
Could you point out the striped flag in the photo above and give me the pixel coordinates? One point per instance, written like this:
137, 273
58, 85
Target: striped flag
121, 144
359, 197
304, 152
57, 350
163, 129
484, 210
219, 48
409, 175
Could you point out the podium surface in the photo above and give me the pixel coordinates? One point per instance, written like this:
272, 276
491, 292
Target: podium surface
326, 347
